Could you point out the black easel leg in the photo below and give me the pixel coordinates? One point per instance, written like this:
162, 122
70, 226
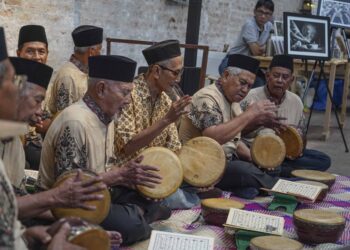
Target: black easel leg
316, 89
337, 117
321, 74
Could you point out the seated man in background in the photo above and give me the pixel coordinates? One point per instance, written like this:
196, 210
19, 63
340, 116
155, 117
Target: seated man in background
289, 106
33, 45
82, 137
70, 83
253, 37
215, 112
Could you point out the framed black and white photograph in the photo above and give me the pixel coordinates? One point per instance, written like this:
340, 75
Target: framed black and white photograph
278, 28
306, 36
338, 12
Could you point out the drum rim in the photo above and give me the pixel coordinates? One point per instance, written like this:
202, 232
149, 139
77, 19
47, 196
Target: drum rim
213, 142
332, 177
89, 231
269, 135
221, 209
143, 191
274, 237
97, 219
294, 131
296, 217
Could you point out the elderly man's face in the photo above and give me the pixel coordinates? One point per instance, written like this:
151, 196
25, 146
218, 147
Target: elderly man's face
118, 95
278, 81
169, 75
31, 98
236, 87
8, 94
35, 51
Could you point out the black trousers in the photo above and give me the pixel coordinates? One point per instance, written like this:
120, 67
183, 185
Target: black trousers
33, 154
125, 217
242, 174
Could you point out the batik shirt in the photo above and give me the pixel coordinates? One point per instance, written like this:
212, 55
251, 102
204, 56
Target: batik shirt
140, 114
209, 108
69, 86
81, 136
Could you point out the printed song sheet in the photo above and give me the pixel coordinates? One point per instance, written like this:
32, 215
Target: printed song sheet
175, 241
253, 221
298, 189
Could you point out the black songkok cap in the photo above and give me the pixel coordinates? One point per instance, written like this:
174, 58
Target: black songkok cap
3, 49
283, 61
162, 51
115, 68
87, 35
37, 73
31, 33
243, 62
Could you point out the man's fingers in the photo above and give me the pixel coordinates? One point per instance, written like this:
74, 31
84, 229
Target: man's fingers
94, 188
148, 179
91, 181
87, 207
92, 197
145, 184
64, 231
149, 168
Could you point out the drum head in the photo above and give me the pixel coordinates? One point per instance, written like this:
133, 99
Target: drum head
91, 238
268, 150
102, 206
314, 175
319, 217
274, 243
221, 204
170, 170
292, 141
203, 161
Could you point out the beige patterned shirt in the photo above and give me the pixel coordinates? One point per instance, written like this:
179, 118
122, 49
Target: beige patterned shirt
141, 114
80, 137
69, 86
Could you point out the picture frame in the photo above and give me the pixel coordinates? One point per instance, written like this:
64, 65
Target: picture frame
278, 26
306, 36
338, 12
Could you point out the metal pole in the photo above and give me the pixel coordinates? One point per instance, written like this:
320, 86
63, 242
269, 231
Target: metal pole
192, 31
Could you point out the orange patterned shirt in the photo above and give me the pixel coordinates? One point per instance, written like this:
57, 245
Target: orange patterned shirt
139, 115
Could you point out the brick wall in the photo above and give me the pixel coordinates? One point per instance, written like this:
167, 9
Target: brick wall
155, 20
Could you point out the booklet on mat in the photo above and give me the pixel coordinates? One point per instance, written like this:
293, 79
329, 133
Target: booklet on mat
175, 241
299, 190
253, 221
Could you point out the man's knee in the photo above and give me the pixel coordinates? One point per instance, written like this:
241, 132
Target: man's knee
127, 220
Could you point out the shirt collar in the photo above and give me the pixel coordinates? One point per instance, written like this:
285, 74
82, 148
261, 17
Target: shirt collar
219, 87
268, 95
83, 68
258, 28
146, 93
103, 117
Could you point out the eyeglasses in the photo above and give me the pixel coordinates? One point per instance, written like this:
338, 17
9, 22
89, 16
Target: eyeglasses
263, 13
176, 73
